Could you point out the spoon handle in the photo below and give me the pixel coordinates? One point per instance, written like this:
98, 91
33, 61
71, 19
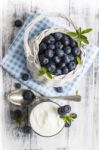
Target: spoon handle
76, 98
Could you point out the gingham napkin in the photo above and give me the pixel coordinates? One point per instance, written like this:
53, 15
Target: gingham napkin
15, 62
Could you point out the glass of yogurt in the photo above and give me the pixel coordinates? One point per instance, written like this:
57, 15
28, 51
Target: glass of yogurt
45, 120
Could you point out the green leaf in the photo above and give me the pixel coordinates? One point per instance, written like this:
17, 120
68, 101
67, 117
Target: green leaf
42, 71
79, 30
67, 118
19, 119
49, 74
79, 60
45, 71
86, 31
84, 39
78, 40
73, 34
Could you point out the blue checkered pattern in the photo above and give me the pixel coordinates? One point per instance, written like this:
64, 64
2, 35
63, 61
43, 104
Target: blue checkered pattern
15, 62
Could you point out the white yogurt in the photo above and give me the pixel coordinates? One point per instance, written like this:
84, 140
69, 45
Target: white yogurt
45, 120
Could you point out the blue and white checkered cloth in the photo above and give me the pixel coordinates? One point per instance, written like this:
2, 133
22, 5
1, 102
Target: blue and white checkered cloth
15, 62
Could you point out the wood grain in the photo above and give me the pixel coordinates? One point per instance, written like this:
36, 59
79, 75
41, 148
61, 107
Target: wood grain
84, 133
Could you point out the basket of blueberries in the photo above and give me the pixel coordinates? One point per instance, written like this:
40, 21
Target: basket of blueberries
55, 55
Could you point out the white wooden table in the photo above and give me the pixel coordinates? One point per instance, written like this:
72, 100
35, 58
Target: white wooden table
84, 133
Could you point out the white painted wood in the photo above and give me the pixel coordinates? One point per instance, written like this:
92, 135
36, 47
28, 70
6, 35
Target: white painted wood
84, 133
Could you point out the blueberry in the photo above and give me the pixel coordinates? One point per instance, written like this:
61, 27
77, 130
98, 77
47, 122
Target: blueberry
67, 50
58, 89
73, 115
28, 95
51, 46
43, 60
62, 65
71, 65
67, 124
57, 59
73, 43
49, 53
24, 76
58, 72
17, 85
26, 129
64, 110
65, 70
58, 45
76, 51
58, 36
49, 39
17, 113
18, 23
59, 52
65, 40
51, 67
42, 46
71, 57
66, 59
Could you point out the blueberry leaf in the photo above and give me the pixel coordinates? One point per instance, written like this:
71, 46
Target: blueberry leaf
79, 60
86, 31
84, 39
19, 119
49, 74
67, 118
42, 71
73, 34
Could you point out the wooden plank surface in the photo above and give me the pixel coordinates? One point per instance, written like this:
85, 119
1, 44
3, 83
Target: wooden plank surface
84, 133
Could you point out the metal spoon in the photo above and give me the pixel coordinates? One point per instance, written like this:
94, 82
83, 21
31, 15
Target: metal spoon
16, 97
76, 98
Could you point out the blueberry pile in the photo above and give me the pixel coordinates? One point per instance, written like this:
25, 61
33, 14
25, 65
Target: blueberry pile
64, 111
58, 53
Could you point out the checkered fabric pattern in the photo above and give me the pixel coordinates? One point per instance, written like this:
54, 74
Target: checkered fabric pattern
15, 62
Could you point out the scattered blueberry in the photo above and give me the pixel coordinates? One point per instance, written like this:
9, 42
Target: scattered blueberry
49, 53
28, 95
73, 115
71, 65
58, 89
18, 23
17, 85
67, 124
58, 36
58, 45
17, 113
59, 52
64, 110
24, 76
27, 129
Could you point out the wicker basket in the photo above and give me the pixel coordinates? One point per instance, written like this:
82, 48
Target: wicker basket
32, 48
